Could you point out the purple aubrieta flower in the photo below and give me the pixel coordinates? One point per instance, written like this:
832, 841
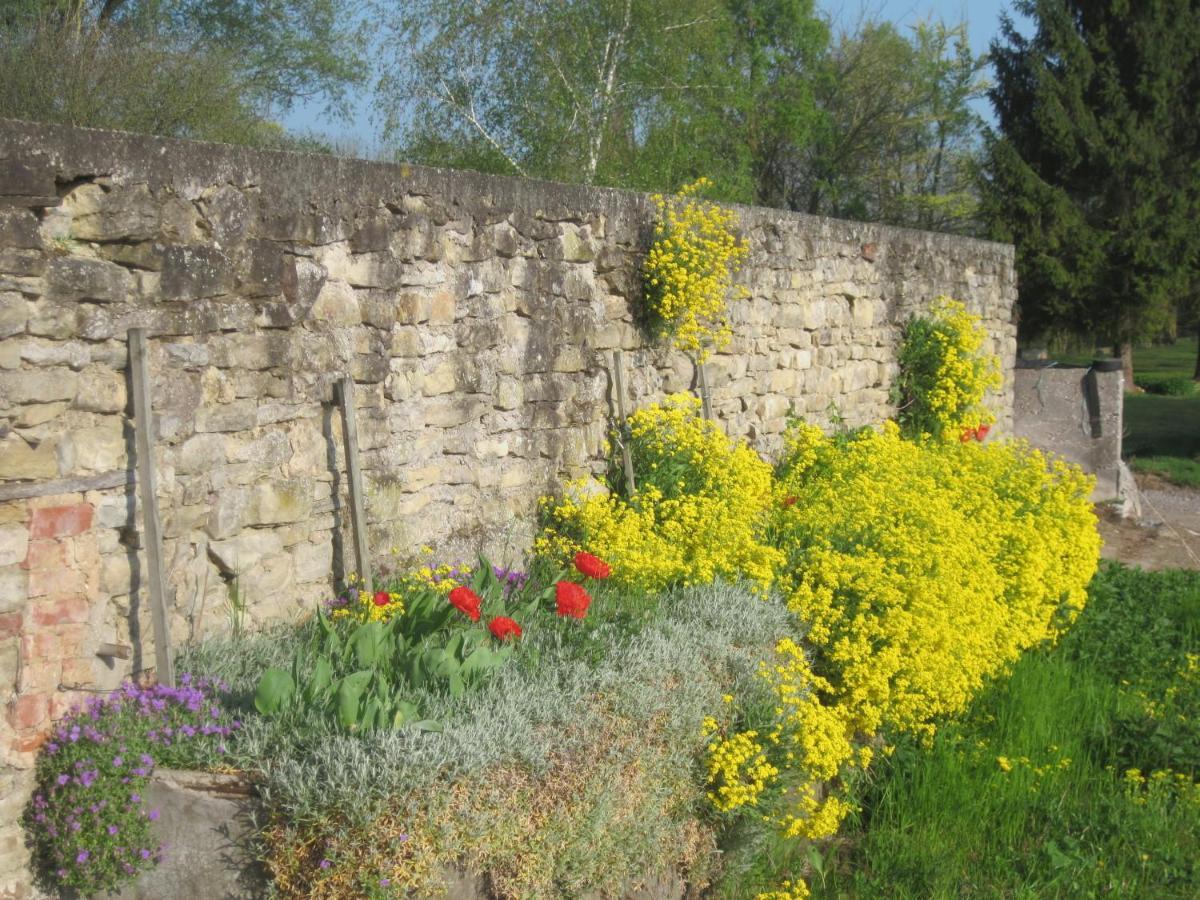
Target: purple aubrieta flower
82, 857
63, 779
152, 815
113, 829
117, 762
325, 864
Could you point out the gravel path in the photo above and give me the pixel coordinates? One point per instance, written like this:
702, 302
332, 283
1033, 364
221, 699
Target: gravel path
1168, 535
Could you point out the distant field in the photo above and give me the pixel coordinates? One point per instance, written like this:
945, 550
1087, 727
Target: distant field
1162, 432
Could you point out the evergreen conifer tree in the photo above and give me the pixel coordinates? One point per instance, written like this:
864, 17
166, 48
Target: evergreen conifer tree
1094, 173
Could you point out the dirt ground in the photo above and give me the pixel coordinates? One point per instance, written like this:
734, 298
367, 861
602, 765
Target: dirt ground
1168, 534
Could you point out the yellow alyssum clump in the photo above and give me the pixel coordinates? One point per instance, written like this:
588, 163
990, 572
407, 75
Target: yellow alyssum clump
921, 569
924, 569
945, 373
687, 273
738, 770
364, 608
788, 890
698, 514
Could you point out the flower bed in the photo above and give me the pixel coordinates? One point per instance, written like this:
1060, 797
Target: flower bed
687, 679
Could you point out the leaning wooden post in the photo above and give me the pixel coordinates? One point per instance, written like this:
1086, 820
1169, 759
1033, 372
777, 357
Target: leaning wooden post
705, 397
623, 430
143, 417
362, 553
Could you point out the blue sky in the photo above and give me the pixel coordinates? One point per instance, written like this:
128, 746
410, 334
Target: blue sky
982, 18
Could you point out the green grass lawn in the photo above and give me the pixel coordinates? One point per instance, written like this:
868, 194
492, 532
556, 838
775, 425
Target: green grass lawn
1075, 777
1162, 431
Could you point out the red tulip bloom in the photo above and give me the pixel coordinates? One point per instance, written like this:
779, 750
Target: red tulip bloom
502, 628
382, 598
571, 599
967, 435
982, 431
788, 501
592, 566
466, 601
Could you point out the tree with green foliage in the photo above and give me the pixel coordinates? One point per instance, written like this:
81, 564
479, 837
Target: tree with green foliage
637, 93
210, 69
898, 136
1094, 173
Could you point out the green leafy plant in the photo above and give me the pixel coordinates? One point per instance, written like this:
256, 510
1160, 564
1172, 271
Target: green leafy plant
363, 674
1170, 386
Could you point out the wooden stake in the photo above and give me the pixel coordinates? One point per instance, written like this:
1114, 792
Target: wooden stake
143, 417
623, 430
705, 397
362, 553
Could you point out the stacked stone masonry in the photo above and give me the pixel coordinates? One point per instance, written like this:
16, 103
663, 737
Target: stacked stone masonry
477, 316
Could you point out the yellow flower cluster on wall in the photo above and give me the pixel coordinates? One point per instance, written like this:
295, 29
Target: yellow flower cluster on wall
698, 514
687, 273
945, 373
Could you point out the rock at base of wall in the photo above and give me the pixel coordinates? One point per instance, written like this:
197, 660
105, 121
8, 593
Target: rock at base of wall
206, 823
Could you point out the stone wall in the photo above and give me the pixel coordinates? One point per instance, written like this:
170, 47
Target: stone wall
1076, 412
476, 314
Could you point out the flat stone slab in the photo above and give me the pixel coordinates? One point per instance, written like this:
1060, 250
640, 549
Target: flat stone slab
206, 823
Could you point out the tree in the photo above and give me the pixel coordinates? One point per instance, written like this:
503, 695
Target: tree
651, 94
638, 93
218, 70
899, 137
1094, 172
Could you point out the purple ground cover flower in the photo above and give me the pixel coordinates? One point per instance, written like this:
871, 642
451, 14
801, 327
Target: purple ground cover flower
87, 814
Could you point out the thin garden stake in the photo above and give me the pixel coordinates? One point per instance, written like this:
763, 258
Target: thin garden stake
362, 553
705, 397
143, 417
623, 431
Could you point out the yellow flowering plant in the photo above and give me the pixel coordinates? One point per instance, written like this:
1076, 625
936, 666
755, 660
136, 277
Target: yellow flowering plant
921, 569
688, 271
945, 374
698, 514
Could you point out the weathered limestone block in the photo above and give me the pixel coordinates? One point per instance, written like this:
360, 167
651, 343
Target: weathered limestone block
229, 510
273, 503
236, 415
38, 386
100, 448
239, 554
227, 211
20, 230
450, 411
14, 313
79, 278
30, 263
195, 271
121, 213
337, 304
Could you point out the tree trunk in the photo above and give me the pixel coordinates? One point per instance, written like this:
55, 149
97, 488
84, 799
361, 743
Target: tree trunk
1126, 349
1196, 376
